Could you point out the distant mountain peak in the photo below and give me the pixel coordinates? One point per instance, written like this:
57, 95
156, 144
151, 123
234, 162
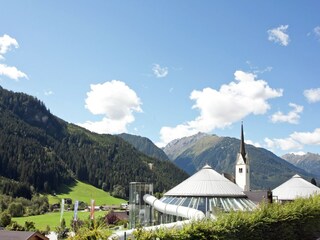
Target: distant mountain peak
177, 146
188, 139
310, 162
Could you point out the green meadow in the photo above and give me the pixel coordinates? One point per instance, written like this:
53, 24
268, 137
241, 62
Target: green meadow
53, 219
78, 191
84, 192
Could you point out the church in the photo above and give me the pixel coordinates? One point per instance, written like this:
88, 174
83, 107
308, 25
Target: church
204, 194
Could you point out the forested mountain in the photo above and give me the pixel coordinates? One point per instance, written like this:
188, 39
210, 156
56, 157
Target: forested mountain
267, 169
43, 151
144, 145
309, 161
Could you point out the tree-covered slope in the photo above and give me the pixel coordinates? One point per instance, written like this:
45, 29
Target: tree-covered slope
43, 151
144, 145
267, 169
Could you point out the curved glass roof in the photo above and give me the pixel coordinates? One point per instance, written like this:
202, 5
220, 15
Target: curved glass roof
211, 204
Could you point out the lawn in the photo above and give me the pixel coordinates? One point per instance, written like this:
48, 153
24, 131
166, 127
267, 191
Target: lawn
53, 219
85, 192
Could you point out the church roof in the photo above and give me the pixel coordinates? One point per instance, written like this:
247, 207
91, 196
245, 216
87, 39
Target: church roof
295, 187
206, 182
242, 146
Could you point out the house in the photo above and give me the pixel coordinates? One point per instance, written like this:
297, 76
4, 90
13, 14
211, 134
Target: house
21, 235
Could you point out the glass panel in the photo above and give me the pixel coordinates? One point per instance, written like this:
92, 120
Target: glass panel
194, 203
186, 202
202, 204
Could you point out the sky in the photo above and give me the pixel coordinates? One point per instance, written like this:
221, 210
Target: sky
169, 69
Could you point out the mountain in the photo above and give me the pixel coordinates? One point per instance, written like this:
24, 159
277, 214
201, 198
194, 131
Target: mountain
178, 146
310, 162
267, 169
42, 151
144, 145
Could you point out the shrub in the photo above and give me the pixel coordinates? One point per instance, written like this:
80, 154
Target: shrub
295, 220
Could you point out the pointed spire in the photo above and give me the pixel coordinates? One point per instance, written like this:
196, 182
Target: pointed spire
242, 147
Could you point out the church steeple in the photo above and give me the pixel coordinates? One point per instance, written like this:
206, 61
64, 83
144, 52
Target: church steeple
242, 145
243, 166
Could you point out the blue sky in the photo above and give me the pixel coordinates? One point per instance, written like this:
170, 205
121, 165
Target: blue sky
168, 69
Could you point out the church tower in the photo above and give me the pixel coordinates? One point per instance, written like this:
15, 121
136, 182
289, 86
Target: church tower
243, 166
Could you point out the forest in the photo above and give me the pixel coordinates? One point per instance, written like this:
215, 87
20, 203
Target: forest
39, 152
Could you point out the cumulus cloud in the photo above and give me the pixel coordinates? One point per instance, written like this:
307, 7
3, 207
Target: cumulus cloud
256, 144
309, 138
12, 72
48, 93
295, 141
6, 44
279, 35
220, 108
116, 102
292, 117
159, 71
312, 95
299, 153
316, 32
284, 144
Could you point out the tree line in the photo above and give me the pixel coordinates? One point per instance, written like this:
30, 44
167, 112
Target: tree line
42, 152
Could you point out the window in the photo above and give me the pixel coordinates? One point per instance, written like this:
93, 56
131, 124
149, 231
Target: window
240, 170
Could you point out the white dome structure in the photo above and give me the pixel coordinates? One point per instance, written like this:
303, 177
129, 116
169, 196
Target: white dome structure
208, 191
294, 188
206, 182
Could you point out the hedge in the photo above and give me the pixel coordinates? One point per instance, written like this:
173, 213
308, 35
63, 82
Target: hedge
293, 221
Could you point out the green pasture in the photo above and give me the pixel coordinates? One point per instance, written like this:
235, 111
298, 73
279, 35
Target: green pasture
84, 192
53, 219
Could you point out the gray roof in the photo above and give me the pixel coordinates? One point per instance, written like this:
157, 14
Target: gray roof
295, 187
206, 182
20, 235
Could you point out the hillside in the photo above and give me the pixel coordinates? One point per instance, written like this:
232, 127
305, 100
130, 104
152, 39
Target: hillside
144, 145
267, 169
84, 192
44, 152
310, 162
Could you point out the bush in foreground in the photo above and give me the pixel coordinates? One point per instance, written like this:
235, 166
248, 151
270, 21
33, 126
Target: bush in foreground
295, 220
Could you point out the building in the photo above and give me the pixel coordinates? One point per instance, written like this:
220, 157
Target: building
242, 171
203, 194
21, 235
295, 187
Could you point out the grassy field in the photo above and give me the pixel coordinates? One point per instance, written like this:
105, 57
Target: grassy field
53, 219
79, 191
85, 192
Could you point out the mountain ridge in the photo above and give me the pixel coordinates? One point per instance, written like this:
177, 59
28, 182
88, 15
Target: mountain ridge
309, 161
44, 151
267, 169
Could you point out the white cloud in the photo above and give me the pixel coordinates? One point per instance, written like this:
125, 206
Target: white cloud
116, 102
299, 153
48, 93
312, 95
220, 108
316, 32
309, 138
256, 144
12, 72
296, 140
6, 42
278, 35
283, 144
159, 71
292, 117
